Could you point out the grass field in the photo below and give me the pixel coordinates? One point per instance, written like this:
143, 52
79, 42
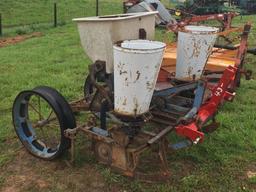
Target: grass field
36, 11
221, 163
25, 16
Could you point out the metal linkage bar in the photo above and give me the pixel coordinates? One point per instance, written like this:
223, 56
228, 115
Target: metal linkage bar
176, 89
225, 19
199, 96
79, 105
241, 55
161, 135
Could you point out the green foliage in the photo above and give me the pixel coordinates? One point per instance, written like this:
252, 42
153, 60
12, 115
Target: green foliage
22, 31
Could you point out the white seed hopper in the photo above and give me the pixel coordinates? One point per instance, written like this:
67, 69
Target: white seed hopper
98, 34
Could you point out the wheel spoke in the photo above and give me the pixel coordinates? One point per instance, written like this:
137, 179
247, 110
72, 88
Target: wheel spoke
54, 124
39, 108
45, 122
42, 131
50, 115
34, 109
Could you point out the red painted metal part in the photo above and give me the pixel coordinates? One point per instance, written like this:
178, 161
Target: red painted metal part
219, 93
190, 131
225, 19
241, 54
209, 109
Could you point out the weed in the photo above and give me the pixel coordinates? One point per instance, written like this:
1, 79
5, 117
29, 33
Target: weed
22, 31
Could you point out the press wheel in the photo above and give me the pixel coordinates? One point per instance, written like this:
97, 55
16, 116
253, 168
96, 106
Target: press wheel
40, 117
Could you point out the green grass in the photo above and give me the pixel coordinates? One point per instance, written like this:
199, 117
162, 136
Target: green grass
38, 11
25, 12
56, 59
25, 16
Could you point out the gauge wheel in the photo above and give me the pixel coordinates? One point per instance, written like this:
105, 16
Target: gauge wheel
40, 117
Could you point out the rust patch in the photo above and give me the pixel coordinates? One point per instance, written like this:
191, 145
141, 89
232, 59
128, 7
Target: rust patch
125, 101
126, 82
14, 40
150, 86
205, 42
136, 106
138, 75
197, 48
120, 66
190, 69
122, 72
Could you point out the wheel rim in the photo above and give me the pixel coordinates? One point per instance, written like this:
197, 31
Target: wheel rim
37, 124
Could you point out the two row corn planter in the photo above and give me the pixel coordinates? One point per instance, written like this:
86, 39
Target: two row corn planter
134, 99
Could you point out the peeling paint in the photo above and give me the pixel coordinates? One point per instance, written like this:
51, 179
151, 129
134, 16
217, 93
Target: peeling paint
135, 87
138, 75
125, 101
122, 72
193, 50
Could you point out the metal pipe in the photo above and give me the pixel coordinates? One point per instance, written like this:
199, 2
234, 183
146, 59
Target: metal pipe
103, 116
161, 134
176, 89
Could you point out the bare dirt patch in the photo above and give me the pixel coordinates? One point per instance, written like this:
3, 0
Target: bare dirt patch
13, 40
27, 173
251, 170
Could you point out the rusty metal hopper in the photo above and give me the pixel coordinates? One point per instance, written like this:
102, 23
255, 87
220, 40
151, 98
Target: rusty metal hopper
136, 67
98, 34
195, 45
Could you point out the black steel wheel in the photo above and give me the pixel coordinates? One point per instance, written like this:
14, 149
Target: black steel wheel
40, 117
